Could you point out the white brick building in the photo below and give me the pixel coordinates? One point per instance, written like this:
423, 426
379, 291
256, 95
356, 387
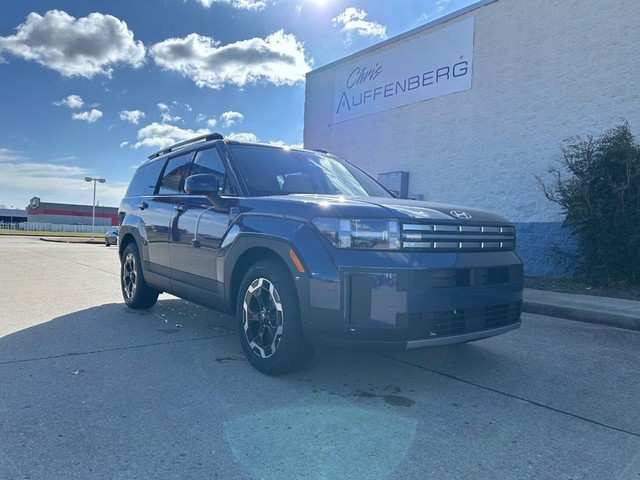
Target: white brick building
540, 71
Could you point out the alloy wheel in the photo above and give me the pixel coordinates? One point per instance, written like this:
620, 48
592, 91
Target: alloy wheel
262, 317
129, 276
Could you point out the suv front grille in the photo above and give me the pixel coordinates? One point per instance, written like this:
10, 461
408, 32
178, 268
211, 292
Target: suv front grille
458, 322
425, 236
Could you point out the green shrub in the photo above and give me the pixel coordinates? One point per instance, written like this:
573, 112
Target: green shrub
600, 199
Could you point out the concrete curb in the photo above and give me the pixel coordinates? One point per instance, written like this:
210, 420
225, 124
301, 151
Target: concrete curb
80, 240
585, 308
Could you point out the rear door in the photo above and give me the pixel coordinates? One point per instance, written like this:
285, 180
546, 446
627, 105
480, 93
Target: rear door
139, 197
160, 210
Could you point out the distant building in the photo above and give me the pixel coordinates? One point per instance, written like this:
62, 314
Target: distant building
12, 215
68, 214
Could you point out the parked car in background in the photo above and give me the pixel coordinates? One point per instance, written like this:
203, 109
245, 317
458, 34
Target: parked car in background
111, 237
307, 249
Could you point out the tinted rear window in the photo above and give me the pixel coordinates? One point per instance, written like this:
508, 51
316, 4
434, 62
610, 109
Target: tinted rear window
175, 174
145, 179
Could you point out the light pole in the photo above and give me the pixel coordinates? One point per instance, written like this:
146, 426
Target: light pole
93, 216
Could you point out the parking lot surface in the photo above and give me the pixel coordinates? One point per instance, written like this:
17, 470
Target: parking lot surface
90, 389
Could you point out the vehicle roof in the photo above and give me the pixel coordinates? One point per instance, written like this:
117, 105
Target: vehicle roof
206, 140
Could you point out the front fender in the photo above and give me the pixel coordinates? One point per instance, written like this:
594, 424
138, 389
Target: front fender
253, 236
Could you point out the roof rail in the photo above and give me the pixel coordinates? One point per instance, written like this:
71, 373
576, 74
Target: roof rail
202, 138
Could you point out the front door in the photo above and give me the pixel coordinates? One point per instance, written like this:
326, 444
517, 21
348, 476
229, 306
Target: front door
197, 228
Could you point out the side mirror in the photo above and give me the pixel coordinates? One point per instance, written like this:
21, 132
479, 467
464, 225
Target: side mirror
206, 184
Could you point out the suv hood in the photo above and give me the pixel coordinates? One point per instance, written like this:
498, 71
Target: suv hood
309, 206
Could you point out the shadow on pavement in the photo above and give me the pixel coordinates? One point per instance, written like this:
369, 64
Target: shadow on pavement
166, 393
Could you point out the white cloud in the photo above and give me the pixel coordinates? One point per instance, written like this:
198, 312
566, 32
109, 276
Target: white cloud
132, 116
72, 101
229, 119
441, 6
242, 137
23, 178
167, 118
210, 121
89, 116
186, 106
250, 4
278, 59
160, 135
7, 155
239, 4
281, 143
353, 21
47, 170
166, 111
85, 47
124, 144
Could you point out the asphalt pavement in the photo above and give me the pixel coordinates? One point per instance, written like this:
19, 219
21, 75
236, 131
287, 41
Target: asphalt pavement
90, 389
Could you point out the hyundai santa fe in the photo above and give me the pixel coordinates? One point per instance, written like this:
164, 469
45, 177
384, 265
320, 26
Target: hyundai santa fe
306, 249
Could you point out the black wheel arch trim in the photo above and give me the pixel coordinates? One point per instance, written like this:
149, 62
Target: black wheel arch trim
131, 232
248, 249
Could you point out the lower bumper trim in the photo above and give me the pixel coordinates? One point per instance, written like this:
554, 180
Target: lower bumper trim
467, 337
322, 339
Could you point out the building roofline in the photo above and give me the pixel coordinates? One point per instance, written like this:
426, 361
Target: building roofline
6, 212
402, 36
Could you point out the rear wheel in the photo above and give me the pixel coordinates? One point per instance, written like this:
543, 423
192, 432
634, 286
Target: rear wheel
135, 291
269, 320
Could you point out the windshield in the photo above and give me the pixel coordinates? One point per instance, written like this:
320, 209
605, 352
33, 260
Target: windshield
277, 171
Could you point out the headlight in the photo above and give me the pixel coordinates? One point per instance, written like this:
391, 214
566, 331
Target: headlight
360, 233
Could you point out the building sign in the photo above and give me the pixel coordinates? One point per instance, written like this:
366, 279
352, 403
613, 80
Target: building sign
429, 66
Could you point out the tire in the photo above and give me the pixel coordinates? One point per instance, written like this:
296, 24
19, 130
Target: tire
269, 320
135, 291
106, 243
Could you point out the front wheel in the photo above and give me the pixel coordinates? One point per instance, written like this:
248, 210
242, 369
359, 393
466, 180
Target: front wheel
135, 291
269, 320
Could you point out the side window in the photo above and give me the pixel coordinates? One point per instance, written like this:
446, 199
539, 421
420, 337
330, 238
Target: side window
145, 179
174, 175
209, 161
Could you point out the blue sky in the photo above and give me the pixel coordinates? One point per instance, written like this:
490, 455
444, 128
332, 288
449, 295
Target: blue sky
91, 88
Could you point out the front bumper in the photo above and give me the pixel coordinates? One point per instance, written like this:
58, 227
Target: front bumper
404, 308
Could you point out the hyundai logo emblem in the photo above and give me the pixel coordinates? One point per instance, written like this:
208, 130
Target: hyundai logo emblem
460, 214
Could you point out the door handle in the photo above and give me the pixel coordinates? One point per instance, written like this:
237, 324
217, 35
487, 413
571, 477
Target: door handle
143, 205
182, 207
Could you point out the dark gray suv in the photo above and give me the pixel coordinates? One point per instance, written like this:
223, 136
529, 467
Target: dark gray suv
307, 249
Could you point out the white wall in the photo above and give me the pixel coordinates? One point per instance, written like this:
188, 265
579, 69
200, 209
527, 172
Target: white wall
542, 71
